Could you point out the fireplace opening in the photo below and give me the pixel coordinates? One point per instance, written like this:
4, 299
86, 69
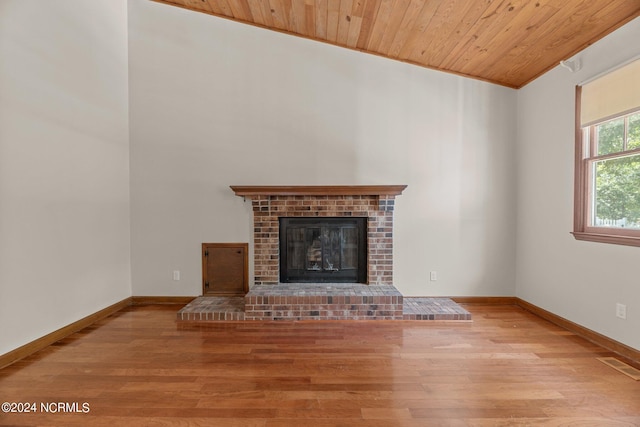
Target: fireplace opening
323, 250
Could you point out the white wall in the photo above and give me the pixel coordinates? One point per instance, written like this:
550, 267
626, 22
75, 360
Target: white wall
216, 103
581, 281
64, 164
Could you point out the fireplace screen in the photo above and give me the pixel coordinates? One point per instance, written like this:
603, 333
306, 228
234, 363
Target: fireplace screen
316, 250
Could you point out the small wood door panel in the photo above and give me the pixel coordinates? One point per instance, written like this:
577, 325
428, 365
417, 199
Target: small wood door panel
225, 269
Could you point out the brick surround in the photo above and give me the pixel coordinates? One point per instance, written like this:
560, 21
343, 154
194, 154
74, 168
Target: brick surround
377, 208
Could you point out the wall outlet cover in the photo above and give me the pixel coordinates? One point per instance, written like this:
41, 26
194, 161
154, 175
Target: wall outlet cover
621, 311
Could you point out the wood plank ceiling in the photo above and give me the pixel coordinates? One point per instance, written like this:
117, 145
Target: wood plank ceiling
508, 42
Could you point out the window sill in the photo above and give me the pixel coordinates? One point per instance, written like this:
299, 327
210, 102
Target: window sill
607, 238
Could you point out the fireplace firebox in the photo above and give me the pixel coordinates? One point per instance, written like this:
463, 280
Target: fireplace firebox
323, 250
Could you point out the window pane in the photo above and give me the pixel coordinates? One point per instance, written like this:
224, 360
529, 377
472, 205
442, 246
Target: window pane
633, 140
610, 137
617, 193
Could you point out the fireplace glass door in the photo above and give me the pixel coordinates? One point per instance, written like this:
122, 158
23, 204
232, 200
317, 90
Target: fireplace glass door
317, 250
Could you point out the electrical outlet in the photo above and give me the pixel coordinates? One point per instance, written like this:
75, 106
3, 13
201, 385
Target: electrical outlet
621, 311
176, 275
433, 276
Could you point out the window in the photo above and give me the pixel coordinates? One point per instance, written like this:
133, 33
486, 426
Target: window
607, 181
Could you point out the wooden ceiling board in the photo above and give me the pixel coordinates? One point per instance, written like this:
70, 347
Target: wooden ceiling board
459, 35
321, 11
392, 27
507, 42
280, 19
333, 11
418, 35
379, 25
441, 34
368, 16
344, 22
496, 35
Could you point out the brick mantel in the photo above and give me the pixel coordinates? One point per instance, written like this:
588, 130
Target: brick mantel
375, 202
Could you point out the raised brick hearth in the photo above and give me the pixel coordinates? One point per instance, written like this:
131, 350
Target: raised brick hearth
332, 302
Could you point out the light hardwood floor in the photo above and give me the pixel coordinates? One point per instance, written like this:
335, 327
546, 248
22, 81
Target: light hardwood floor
506, 368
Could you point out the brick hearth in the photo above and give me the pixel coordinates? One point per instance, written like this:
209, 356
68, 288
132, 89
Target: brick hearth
335, 302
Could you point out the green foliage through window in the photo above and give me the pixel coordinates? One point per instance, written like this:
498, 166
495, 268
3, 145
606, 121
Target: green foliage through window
610, 137
617, 179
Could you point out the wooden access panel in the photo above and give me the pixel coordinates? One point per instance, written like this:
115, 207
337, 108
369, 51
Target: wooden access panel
225, 269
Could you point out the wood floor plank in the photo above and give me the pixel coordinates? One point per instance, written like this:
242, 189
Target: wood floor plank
139, 368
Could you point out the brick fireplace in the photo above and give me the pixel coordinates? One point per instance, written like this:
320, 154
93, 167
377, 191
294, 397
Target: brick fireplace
270, 203
370, 296
372, 299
